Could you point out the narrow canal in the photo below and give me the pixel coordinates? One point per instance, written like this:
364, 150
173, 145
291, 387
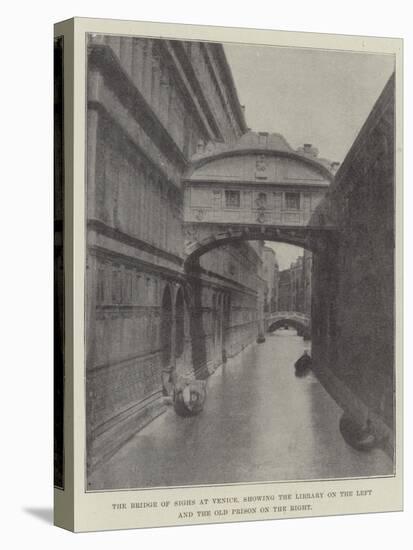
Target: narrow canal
260, 423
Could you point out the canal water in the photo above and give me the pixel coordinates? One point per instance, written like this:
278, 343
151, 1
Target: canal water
260, 423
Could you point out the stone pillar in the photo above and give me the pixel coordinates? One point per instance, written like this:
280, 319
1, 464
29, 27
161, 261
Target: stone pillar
260, 337
172, 362
167, 338
261, 318
189, 395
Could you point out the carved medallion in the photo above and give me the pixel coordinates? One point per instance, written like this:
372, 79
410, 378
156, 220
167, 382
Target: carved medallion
191, 233
261, 201
261, 168
261, 217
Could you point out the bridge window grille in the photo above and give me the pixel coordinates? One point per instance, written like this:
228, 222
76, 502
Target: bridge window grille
232, 199
292, 201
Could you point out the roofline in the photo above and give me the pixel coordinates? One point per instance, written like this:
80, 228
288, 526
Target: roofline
233, 89
256, 150
230, 183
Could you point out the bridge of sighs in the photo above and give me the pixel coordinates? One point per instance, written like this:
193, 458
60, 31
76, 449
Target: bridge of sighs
258, 188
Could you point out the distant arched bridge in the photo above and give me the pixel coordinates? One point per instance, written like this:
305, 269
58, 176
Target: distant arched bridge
300, 321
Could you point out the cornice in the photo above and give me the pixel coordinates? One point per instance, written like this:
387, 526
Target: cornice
157, 168
104, 229
257, 151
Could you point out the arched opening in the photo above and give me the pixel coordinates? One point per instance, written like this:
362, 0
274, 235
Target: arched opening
166, 328
294, 237
288, 324
302, 329
286, 271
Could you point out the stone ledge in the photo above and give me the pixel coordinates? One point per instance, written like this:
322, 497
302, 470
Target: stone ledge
111, 440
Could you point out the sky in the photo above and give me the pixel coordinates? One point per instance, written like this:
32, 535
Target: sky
286, 253
309, 96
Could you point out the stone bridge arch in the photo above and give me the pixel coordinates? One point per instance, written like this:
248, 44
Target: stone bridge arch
202, 238
301, 322
258, 188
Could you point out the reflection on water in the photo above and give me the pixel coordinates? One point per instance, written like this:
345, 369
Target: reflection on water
260, 423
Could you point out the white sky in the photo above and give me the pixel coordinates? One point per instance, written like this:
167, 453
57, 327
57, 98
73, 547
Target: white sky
286, 253
308, 96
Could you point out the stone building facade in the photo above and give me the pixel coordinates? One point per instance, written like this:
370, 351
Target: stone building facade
297, 286
353, 277
284, 290
150, 103
307, 281
276, 284
270, 275
294, 288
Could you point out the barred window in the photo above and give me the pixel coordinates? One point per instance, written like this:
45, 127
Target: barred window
292, 201
232, 199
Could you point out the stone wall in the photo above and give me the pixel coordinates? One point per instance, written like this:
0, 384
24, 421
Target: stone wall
353, 278
148, 323
234, 292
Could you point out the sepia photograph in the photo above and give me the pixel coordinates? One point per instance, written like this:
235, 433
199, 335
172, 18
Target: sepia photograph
206, 275
240, 241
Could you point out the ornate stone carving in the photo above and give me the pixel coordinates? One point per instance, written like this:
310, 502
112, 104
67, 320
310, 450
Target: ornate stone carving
261, 217
191, 233
261, 168
261, 201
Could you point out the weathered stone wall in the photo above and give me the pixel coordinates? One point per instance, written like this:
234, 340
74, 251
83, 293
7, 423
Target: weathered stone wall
307, 283
148, 322
353, 278
269, 263
295, 285
234, 300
